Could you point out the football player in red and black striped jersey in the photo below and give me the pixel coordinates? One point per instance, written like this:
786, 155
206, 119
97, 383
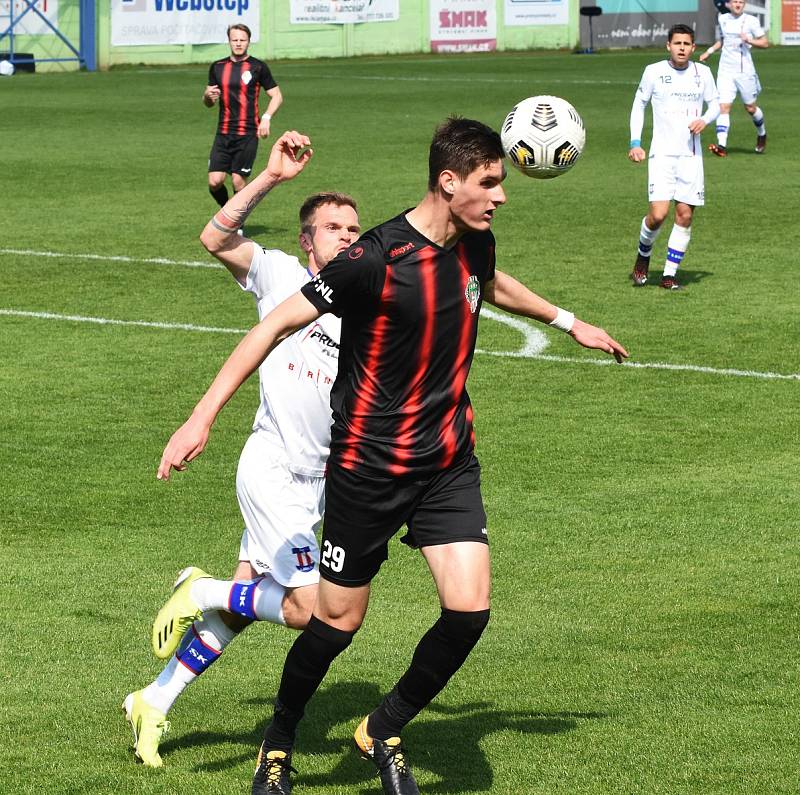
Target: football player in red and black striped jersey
409, 294
235, 82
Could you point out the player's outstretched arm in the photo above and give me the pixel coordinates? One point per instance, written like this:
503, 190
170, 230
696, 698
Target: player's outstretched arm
288, 157
191, 438
505, 292
593, 337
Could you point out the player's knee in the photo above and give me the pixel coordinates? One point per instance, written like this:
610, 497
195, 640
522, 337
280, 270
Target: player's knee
463, 629
244, 571
235, 622
298, 605
328, 641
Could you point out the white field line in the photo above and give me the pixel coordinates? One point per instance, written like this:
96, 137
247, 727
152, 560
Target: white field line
535, 341
471, 79
107, 321
24, 252
529, 350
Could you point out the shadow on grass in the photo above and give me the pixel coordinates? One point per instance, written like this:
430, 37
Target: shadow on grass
739, 150
257, 230
685, 277
447, 747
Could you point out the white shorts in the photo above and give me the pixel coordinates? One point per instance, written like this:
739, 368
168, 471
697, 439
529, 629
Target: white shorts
675, 177
282, 512
748, 87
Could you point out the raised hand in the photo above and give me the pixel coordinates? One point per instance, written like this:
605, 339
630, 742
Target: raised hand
289, 155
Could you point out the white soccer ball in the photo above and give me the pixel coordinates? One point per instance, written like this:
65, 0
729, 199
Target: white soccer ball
543, 136
6, 68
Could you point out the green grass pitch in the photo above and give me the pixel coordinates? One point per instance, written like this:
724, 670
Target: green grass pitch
644, 520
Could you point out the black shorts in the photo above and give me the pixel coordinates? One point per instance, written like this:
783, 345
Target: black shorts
363, 513
233, 154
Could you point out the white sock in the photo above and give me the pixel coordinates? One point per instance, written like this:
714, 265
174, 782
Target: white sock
676, 247
723, 125
258, 600
177, 676
758, 120
647, 237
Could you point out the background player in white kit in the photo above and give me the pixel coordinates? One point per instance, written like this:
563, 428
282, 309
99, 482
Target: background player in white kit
737, 33
677, 89
280, 478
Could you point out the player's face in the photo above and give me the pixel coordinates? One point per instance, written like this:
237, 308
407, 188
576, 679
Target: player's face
680, 48
239, 42
736, 7
476, 197
334, 228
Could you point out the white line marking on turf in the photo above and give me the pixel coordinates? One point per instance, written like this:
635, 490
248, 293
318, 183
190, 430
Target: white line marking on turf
527, 351
473, 79
688, 368
535, 340
112, 258
105, 321
534, 344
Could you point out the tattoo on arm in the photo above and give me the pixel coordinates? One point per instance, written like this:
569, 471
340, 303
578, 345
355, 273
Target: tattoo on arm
239, 214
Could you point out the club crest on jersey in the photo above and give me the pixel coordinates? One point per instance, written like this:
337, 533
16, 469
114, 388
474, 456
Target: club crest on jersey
304, 560
247, 77
472, 292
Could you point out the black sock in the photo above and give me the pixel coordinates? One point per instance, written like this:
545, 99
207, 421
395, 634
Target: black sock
439, 654
306, 665
220, 194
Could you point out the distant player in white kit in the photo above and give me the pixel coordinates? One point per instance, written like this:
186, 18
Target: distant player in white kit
677, 89
280, 479
737, 34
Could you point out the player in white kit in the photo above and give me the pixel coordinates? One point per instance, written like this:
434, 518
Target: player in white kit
280, 478
737, 33
676, 89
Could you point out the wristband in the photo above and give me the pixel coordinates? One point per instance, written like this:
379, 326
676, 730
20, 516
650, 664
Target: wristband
266, 116
711, 50
218, 222
563, 320
634, 143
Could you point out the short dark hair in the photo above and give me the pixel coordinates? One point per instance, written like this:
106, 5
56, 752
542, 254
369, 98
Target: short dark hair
313, 203
462, 145
680, 29
239, 26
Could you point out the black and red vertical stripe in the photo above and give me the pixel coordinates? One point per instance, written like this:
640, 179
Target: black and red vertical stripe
400, 403
239, 83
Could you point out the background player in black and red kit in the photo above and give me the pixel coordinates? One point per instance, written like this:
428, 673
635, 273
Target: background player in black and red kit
235, 83
402, 451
